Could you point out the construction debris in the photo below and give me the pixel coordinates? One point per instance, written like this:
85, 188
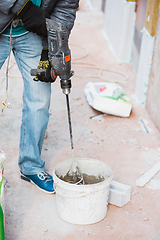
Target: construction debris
148, 175
155, 184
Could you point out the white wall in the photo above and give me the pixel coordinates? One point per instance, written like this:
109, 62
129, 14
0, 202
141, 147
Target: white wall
144, 66
95, 4
119, 22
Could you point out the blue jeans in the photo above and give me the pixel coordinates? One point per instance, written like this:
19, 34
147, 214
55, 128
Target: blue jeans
36, 100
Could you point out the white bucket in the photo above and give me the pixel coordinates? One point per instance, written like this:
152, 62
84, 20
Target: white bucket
82, 204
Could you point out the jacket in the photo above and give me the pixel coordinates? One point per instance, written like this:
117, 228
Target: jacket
62, 11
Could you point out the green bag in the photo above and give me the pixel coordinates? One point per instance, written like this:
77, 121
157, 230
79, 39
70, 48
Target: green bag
2, 235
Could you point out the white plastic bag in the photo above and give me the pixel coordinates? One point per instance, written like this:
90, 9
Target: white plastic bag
108, 98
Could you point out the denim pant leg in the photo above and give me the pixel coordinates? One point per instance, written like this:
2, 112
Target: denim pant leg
36, 102
4, 49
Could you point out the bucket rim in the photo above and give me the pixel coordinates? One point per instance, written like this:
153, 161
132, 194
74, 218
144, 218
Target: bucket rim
107, 180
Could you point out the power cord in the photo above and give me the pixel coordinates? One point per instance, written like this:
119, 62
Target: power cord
75, 62
4, 103
94, 66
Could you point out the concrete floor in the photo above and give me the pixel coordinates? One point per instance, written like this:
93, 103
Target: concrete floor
122, 143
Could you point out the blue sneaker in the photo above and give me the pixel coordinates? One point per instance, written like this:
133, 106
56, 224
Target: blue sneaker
42, 180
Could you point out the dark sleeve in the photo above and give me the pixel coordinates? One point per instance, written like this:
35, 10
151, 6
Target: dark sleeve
48, 5
65, 12
5, 6
8, 10
11, 6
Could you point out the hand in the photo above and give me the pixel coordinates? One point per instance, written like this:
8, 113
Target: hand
44, 64
33, 18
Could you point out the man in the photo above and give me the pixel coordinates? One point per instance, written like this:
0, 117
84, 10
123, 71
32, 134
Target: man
25, 22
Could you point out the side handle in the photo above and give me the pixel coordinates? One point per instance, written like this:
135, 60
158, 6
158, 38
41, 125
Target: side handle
34, 72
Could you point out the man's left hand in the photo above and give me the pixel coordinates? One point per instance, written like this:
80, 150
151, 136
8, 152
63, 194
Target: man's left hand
44, 64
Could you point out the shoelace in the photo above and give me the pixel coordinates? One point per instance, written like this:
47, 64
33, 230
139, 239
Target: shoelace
44, 176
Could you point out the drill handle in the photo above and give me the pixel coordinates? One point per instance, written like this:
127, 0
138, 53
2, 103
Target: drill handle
34, 72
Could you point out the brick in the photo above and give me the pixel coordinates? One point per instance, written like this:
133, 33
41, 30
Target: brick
119, 194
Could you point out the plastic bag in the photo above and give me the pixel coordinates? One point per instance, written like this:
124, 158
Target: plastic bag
108, 98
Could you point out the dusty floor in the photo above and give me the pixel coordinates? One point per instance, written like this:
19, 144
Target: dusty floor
123, 143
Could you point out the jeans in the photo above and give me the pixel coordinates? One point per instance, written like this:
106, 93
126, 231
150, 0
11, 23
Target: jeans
36, 100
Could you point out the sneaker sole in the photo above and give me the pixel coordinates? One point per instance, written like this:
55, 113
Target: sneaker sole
29, 180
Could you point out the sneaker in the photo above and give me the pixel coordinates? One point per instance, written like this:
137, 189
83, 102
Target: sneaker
42, 180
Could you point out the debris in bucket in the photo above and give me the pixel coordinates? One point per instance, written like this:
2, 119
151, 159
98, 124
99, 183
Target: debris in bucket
71, 179
88, 179
74, 173
91, 179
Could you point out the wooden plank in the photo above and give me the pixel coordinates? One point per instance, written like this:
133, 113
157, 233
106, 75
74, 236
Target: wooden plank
151, 16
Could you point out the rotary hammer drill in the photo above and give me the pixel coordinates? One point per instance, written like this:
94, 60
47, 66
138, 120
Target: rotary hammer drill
59, 55
60, 60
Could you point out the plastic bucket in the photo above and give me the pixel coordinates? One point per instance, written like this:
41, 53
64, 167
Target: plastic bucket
82, 204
